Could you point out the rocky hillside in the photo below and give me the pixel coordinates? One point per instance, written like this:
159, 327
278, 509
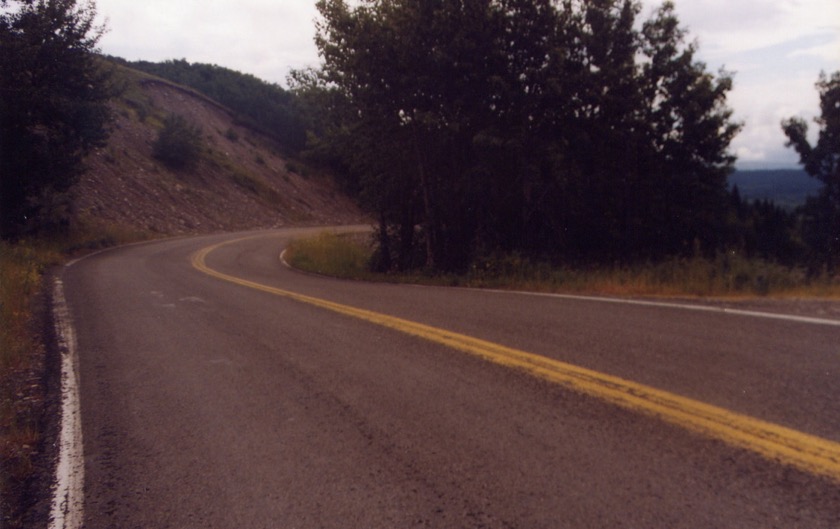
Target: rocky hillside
241, 180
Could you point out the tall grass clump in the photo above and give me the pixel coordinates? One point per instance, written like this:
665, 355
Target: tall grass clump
344, 255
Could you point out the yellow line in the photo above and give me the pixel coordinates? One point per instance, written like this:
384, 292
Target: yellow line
778, 443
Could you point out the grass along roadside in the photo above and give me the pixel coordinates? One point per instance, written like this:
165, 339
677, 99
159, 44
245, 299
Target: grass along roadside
726, 276
23, 367
23, 355
337, 255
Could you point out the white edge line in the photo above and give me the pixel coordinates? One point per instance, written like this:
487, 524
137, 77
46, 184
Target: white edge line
684, 306
68, 490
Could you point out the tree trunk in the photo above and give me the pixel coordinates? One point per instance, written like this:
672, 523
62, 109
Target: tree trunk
429, 216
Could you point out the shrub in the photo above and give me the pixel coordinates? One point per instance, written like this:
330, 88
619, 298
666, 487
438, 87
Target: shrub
179, 143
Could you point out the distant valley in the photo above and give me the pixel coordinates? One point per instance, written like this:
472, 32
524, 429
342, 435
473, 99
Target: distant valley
788, 188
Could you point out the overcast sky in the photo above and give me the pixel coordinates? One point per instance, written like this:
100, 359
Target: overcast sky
776, 48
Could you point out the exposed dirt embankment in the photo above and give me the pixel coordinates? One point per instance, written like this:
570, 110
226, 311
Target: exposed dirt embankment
243, 180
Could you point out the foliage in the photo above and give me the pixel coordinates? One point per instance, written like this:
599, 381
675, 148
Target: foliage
821, 227
558, 129
762, 229
53, 94
330, 129
179, 143
265, 105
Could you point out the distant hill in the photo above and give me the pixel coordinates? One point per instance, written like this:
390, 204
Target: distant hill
257, 103
788, 188
243, 179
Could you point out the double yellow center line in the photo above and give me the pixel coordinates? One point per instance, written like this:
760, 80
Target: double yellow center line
778, 443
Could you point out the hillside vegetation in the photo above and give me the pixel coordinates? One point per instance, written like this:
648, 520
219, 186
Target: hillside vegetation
269, 107
237, 178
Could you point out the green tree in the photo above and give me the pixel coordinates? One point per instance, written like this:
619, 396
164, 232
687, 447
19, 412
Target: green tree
53, 95
564, 129
644, 141
420, 74
821, 226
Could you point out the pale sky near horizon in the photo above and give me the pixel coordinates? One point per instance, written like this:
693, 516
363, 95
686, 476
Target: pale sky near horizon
776, 48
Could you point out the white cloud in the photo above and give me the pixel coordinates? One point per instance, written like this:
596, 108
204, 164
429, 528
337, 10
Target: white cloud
827, 50
777, 49
263, 37
725, 27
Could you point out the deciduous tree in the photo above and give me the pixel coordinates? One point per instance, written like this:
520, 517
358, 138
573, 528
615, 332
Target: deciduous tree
821, 229
53, 94
563, 129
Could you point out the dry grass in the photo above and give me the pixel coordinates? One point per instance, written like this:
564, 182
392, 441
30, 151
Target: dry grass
21, 360
727, 276
344, 256
22, 352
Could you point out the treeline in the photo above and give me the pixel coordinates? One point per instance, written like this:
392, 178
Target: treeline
266, 105
560, 130
564, 131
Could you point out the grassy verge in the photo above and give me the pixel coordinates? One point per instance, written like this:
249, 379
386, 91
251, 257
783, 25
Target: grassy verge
21, 360
23, 355
726, 276
345, 256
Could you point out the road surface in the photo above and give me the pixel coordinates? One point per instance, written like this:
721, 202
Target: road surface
220, 389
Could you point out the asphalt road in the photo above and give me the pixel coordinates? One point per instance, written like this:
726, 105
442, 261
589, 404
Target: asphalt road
206, 403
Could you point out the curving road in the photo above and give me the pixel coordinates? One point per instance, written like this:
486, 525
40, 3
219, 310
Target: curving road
220, 389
